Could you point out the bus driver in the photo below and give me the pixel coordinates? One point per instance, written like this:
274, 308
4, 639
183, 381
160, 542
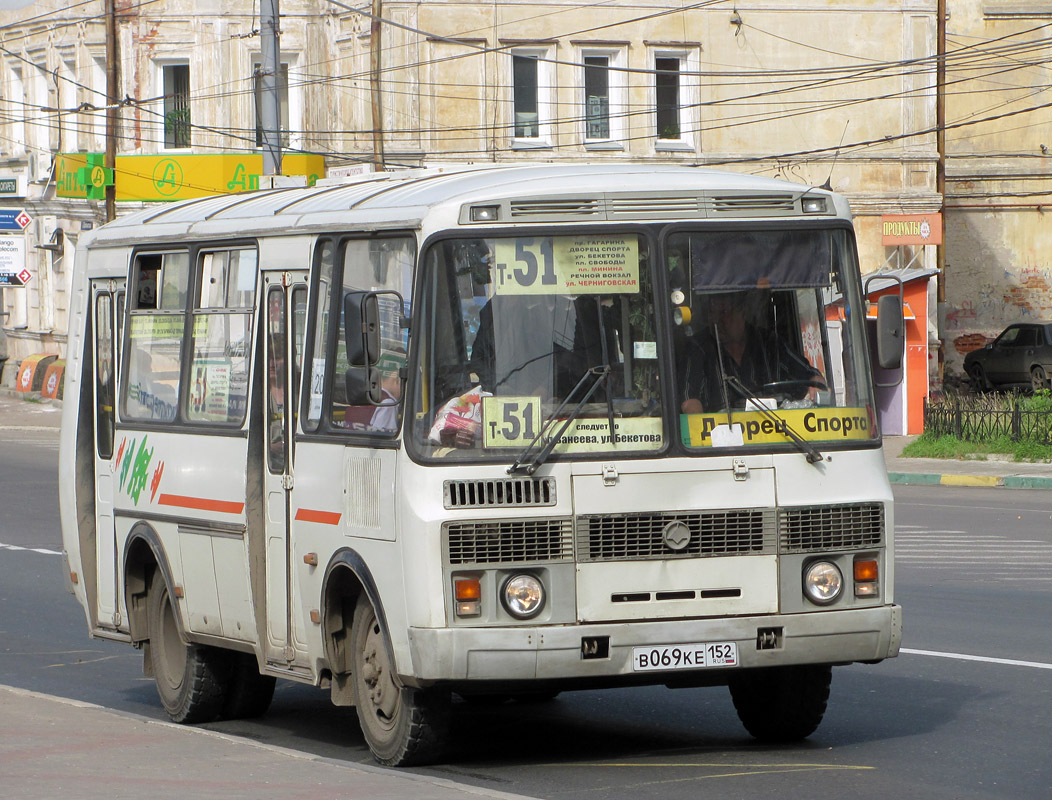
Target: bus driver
731, 345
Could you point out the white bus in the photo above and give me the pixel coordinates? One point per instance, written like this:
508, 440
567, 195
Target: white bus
437, 436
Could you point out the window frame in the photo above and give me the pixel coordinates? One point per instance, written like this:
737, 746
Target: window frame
170, 104
328, 338
545, 96
616, 89
687, 137
189, 311
290, 100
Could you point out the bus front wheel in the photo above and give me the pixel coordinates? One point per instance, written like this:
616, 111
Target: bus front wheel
191, 679
782, 704
402, 726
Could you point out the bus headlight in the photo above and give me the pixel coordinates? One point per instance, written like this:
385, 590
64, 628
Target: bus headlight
523, 596
823, 582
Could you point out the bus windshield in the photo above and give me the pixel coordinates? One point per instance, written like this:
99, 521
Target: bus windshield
527, 330
764, 341
521, 335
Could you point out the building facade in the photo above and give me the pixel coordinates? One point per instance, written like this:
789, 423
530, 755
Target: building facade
998, 171
823, 92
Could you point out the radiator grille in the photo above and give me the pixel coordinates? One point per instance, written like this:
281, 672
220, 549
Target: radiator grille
641, 536
499, 492
845, 527
516, 541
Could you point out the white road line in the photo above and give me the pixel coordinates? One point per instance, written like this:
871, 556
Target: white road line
30, 549
1010, 662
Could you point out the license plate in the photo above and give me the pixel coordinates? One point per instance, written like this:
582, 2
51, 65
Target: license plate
685, 656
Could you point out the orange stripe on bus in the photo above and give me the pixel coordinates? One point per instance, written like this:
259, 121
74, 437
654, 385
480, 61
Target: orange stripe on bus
201, 503
324, 517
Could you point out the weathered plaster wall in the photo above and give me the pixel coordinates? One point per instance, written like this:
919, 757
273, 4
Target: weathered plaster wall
999, 271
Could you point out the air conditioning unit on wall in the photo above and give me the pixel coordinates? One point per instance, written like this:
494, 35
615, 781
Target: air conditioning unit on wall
45, 228
39, 167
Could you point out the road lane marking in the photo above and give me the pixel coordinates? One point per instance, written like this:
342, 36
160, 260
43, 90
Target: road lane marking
1010, 662
43, 550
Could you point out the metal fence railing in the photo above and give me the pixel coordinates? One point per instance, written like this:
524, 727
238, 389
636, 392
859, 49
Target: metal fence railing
980, 421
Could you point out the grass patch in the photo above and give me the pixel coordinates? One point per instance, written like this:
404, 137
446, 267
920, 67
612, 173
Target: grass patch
928, 445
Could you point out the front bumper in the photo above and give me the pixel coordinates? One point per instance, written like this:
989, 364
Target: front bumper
555, 653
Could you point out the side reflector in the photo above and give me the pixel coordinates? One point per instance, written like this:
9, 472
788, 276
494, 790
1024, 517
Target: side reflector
311, 559
74, 578
315, 616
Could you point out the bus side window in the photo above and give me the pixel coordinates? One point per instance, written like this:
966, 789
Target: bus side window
222, 327
155, 334
384, 265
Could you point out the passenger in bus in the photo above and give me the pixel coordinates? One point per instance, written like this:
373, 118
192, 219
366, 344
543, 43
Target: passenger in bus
730, 343
523, 345
147, 286
385, 417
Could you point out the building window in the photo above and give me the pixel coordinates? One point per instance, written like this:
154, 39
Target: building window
16, 111
667, 96
67, 98
602, 96
524, 88
531, 82
283, 102
597, 97
97, 99
176, 79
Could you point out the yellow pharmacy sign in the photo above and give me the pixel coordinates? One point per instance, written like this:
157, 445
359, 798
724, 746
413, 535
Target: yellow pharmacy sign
181, 177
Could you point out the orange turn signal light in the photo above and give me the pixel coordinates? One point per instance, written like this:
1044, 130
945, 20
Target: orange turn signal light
467, 589
866, 570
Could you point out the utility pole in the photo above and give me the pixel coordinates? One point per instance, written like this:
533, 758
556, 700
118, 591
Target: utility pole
374, 86
270, 104
940, 166
112, 87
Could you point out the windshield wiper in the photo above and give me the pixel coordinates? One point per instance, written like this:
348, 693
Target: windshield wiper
811, 453
598, 374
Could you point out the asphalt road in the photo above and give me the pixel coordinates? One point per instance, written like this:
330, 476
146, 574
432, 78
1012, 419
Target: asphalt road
962, 713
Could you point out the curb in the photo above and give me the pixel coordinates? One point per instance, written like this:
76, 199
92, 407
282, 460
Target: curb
984, 481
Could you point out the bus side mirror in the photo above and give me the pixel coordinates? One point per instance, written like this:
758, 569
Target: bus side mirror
362, 385
361, 328
890, 331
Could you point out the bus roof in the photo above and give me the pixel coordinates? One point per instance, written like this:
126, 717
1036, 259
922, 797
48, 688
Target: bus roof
523, 193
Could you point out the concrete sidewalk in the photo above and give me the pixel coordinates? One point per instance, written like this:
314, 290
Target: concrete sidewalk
54, 747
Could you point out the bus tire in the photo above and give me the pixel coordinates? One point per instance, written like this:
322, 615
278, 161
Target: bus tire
402, 726
249, 693
782, 704
191, 679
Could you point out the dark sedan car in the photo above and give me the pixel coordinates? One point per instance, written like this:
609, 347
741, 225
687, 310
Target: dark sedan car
1020, 356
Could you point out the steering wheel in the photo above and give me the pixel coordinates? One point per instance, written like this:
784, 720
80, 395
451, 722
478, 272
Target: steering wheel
786, 387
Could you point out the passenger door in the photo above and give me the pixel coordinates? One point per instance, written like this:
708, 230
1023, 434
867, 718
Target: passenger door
1023, 354
999, 362
107, 298
286, 306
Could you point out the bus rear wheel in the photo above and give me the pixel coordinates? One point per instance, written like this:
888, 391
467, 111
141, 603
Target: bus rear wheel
191, 680
402, 726
249, 693
782, 704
